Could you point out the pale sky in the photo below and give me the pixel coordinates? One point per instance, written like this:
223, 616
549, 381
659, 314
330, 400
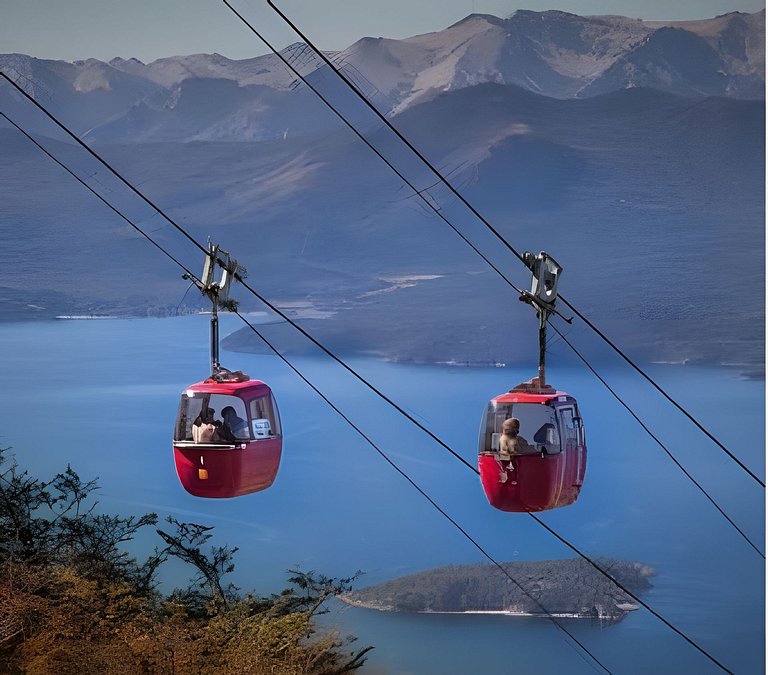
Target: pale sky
150, 29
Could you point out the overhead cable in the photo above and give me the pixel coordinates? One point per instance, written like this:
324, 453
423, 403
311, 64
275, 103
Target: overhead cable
656, 386
382, 395
91, 152
239, 278
655, 438
490, 227
290, 66
424, 494
285, 360
98, 196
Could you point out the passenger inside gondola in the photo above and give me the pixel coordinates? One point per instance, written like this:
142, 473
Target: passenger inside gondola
234, 426
545, 438
205, 429
510, 441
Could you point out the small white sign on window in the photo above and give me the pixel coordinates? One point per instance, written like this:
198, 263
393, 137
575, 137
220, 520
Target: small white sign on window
261, 428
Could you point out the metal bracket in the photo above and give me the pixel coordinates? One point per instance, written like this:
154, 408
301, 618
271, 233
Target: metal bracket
545, 272
229, 270
217, 292
529, 298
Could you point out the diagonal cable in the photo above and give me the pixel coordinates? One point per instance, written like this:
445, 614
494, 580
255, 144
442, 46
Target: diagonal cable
253, 291
658, 388
98, 196
493, 230
655, 438
427, 202
421, 491
368, 384
417, 191
93, 153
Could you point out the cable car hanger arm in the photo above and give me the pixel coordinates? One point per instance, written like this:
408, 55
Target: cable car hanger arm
218, 293
527, 297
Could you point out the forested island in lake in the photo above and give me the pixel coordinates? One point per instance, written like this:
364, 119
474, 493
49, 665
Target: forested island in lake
560, 587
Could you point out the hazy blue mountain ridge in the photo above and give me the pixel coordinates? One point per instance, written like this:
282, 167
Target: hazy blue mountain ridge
561, 55
651, 200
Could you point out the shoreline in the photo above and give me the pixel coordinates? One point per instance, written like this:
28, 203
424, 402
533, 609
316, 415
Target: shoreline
535, 615
624, 610
746, 371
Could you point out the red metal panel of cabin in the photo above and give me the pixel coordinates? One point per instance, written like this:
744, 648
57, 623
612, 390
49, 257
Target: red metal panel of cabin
534, 484
527, 397
231, 472
247, 390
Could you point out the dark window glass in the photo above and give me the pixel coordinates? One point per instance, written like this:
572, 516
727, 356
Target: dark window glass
538, 425
265, 420
229, 417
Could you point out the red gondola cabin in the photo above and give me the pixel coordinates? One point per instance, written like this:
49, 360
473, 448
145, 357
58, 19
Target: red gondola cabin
549, 474
227, 440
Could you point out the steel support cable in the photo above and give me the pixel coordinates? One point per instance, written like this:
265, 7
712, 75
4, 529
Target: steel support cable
418, 154
632, 595
90, 151
417, 192
363, 380
254, 292
371, 387
347, 123
475, 470
354, 373
606, 339
485, 222
98, 196
560, 538
424, 494
655, 438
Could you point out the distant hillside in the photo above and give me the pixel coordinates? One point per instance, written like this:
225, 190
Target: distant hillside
649, 191
663, 196
563, 587
552, 53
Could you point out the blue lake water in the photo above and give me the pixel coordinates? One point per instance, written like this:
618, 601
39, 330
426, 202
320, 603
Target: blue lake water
102, 396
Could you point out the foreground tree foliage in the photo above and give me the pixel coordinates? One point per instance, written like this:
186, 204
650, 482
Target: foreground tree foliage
72, 600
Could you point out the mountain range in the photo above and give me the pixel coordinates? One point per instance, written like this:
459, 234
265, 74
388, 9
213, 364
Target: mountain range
553, 53
632, 151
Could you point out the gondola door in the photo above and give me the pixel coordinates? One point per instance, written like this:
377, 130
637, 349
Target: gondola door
574, 450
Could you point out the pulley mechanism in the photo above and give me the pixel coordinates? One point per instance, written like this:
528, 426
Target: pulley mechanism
217, 291
542, 297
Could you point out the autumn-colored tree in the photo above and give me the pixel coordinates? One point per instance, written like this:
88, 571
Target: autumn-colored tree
72, 600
